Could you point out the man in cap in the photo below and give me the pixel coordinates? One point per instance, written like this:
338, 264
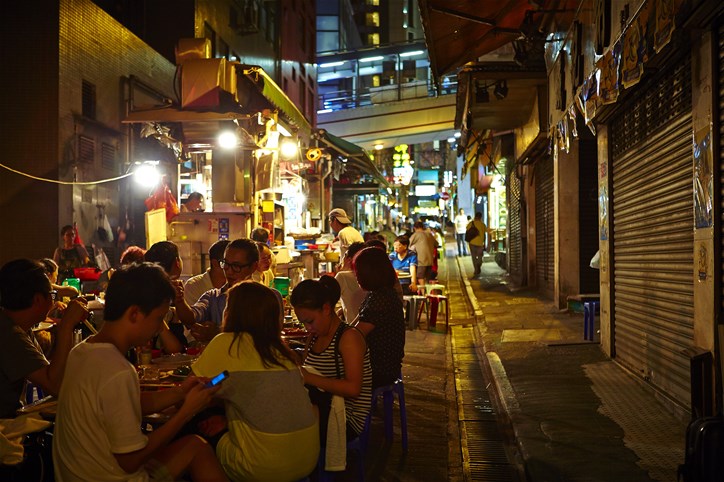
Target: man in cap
342, 227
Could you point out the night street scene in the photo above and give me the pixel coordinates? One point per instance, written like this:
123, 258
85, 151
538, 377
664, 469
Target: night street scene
349, 240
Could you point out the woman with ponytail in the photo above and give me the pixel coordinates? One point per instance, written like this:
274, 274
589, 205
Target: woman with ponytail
335, 350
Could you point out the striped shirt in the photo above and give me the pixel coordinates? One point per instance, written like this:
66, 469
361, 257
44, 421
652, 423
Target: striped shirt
356, 409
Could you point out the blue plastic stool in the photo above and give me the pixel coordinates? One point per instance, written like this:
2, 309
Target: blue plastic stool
589, 318
388, 394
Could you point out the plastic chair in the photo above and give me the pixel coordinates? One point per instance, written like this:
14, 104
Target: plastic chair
357, 445
412, 306
430, 305
388, 394
432, 288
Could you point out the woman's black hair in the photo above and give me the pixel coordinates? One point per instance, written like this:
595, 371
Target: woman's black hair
314, 295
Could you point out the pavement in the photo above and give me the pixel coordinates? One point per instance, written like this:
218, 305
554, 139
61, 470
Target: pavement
512, 392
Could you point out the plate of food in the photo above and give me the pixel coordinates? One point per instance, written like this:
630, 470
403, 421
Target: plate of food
180, 373
175, 360
43, 325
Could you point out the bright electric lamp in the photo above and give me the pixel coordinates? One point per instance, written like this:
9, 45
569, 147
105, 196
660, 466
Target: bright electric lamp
227, 140
288, 149
379, 146
147, 175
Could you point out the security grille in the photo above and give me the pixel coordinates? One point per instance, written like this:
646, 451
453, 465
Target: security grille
544, 226
653, 232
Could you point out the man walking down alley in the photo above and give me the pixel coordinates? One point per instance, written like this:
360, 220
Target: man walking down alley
461, 224
477, 244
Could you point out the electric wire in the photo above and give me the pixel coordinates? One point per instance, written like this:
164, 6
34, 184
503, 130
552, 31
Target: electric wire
67, 183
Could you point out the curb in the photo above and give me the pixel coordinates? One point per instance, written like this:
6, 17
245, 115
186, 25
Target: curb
494, 366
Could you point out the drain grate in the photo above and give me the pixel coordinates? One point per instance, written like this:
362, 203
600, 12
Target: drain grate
492, 472
482, 430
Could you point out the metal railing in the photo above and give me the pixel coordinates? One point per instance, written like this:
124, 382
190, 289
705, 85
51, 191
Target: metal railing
365, 96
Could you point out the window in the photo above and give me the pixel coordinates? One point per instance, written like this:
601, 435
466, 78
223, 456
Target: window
373, 2
373, 39
88, 100
86, 149
223, 49
108, 155
372, 19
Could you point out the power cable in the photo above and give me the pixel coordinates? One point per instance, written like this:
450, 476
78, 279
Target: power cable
67, 183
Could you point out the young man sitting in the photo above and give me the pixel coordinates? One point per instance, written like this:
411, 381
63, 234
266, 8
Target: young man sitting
98, 425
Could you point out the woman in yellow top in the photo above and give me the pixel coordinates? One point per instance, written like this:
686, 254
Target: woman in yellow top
273, 432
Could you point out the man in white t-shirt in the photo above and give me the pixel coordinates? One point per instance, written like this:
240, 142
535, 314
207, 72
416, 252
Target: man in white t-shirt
461, 223
212, 278
342, 227
98, 423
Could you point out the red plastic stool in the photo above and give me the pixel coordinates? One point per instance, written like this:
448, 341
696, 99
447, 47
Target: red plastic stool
431, 306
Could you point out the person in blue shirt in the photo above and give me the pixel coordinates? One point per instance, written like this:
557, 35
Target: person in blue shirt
405, 261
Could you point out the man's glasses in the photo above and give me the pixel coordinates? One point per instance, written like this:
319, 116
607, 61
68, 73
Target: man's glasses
234, 267
54, 295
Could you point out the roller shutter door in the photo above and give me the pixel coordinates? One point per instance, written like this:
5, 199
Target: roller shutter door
544, 227
515, 257
653, 231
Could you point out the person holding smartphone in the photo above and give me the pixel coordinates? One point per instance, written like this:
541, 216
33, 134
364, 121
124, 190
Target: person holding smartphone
273, 433
98, 424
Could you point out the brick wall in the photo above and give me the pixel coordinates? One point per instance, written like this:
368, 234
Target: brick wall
97, 49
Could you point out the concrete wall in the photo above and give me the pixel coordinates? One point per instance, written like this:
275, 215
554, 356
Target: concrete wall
567, 239
703, 99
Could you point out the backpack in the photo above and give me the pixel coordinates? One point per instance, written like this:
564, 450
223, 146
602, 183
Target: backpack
471, 233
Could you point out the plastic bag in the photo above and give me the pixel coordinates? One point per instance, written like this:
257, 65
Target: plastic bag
596, 260
162, 197
102, 260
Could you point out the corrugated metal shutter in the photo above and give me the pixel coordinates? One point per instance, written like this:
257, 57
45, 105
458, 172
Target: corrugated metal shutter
653, 231
515, 257
544, 227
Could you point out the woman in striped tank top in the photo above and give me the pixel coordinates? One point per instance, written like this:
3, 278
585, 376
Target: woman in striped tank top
336, 350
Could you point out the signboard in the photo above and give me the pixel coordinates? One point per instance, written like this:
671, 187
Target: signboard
445, 196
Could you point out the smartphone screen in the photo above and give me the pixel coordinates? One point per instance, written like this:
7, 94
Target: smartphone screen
218, 379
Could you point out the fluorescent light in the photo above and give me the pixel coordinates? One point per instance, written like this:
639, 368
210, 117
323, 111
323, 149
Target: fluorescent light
457, 135
324, 111
333, 64
451, 140
371, 59
283, 131
410, 54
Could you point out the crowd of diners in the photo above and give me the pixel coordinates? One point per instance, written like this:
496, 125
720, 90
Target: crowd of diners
263, 422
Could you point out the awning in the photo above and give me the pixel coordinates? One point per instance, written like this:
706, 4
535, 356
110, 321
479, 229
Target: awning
276, 96
354, 154
256, 92
461, 31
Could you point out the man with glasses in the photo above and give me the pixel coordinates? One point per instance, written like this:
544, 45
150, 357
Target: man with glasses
204, 317
25, 299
